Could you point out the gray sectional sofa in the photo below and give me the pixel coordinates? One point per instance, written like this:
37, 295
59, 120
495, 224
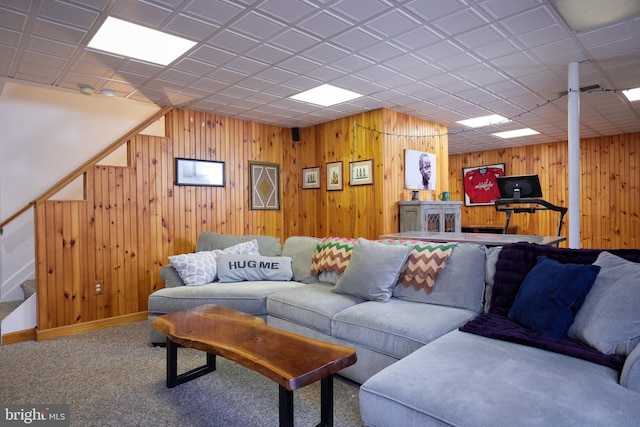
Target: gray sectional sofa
443, 350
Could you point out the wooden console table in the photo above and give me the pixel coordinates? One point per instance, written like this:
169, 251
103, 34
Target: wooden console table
293, 361
486, 239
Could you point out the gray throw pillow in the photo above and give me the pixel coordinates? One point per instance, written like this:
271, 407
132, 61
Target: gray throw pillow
609, 319
237, 268
373, 270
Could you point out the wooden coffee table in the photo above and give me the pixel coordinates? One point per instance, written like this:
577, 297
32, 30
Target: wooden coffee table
293, 361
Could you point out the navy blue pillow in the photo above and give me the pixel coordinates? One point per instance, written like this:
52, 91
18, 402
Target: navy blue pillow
551, 295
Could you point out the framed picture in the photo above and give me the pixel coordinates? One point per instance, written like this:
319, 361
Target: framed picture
311, 177
199, 172
419, 170
334, 176
480, 184
264, 186
361, 173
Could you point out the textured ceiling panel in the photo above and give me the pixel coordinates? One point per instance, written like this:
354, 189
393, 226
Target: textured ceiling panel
441, 61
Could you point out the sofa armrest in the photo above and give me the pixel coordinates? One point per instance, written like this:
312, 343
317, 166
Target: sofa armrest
630, 376
171, 277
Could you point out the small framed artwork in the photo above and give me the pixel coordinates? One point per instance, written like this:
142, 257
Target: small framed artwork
264, 186
199, 172
361, 173
481, 184
334, 176
311, 178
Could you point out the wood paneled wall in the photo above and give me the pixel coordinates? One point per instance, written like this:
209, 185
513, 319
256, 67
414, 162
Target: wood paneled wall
609, 188
134, 217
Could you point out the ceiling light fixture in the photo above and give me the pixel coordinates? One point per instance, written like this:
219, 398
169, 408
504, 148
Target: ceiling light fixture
586, 15
632, 94
127, 39
326, 95
483, 121
86, 90
515, 133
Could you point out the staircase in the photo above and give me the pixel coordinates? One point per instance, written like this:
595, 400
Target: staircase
6, 308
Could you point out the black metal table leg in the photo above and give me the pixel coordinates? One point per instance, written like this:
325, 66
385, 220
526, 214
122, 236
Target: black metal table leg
173, 379
285, 407
326, 402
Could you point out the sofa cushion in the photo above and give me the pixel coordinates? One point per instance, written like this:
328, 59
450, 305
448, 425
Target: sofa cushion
267, 245
609, 320
250, 297
551, 294
466, 380
424, 264
373, 270
331, 257
310, 305
301, 250
199, 268
398, 327
461, 283
237, 268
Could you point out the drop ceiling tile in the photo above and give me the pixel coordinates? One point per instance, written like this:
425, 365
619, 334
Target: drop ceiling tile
481, 74
190, 28
404, 62
381, 52
542, 36
418, 38
360, 10
139, 67
11, 19
288, 10
268, 54
36, 73
192, 66
59, 32
326, 74
294, 40
217, 11
324, 53
178, 77
298, 65
211, 55
433, 10
142, 13
325, 24
257, 26
352, 64
392, 23
246, 65
435, 53
277, 75
231, 41
460, 22
302, 83
530, 20
229, 76
68, 14
50, 47
356, 39
424, 72
503, 8
455, 62
212, 85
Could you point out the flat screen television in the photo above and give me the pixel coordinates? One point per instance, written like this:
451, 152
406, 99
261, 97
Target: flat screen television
519, 187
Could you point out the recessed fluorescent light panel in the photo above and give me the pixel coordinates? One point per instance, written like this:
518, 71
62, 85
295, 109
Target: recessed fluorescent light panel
326, 95
483, 121
516, 133
586, 15
127, 39
632, 94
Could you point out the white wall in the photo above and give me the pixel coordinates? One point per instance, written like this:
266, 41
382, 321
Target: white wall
46, 133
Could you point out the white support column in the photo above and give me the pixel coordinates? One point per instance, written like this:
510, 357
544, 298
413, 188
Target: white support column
574, 154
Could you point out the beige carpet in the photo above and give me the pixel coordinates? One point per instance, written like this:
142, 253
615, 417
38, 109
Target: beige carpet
113, 377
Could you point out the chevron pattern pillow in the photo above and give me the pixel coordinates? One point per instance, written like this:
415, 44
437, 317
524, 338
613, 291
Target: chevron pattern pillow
332, 255
425, 263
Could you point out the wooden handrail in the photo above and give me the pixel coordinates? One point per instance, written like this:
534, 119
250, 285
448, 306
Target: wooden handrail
88, 164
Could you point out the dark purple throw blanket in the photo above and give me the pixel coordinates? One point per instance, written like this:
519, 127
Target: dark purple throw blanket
514, 262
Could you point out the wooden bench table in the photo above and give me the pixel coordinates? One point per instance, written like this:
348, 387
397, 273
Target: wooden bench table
288, 359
